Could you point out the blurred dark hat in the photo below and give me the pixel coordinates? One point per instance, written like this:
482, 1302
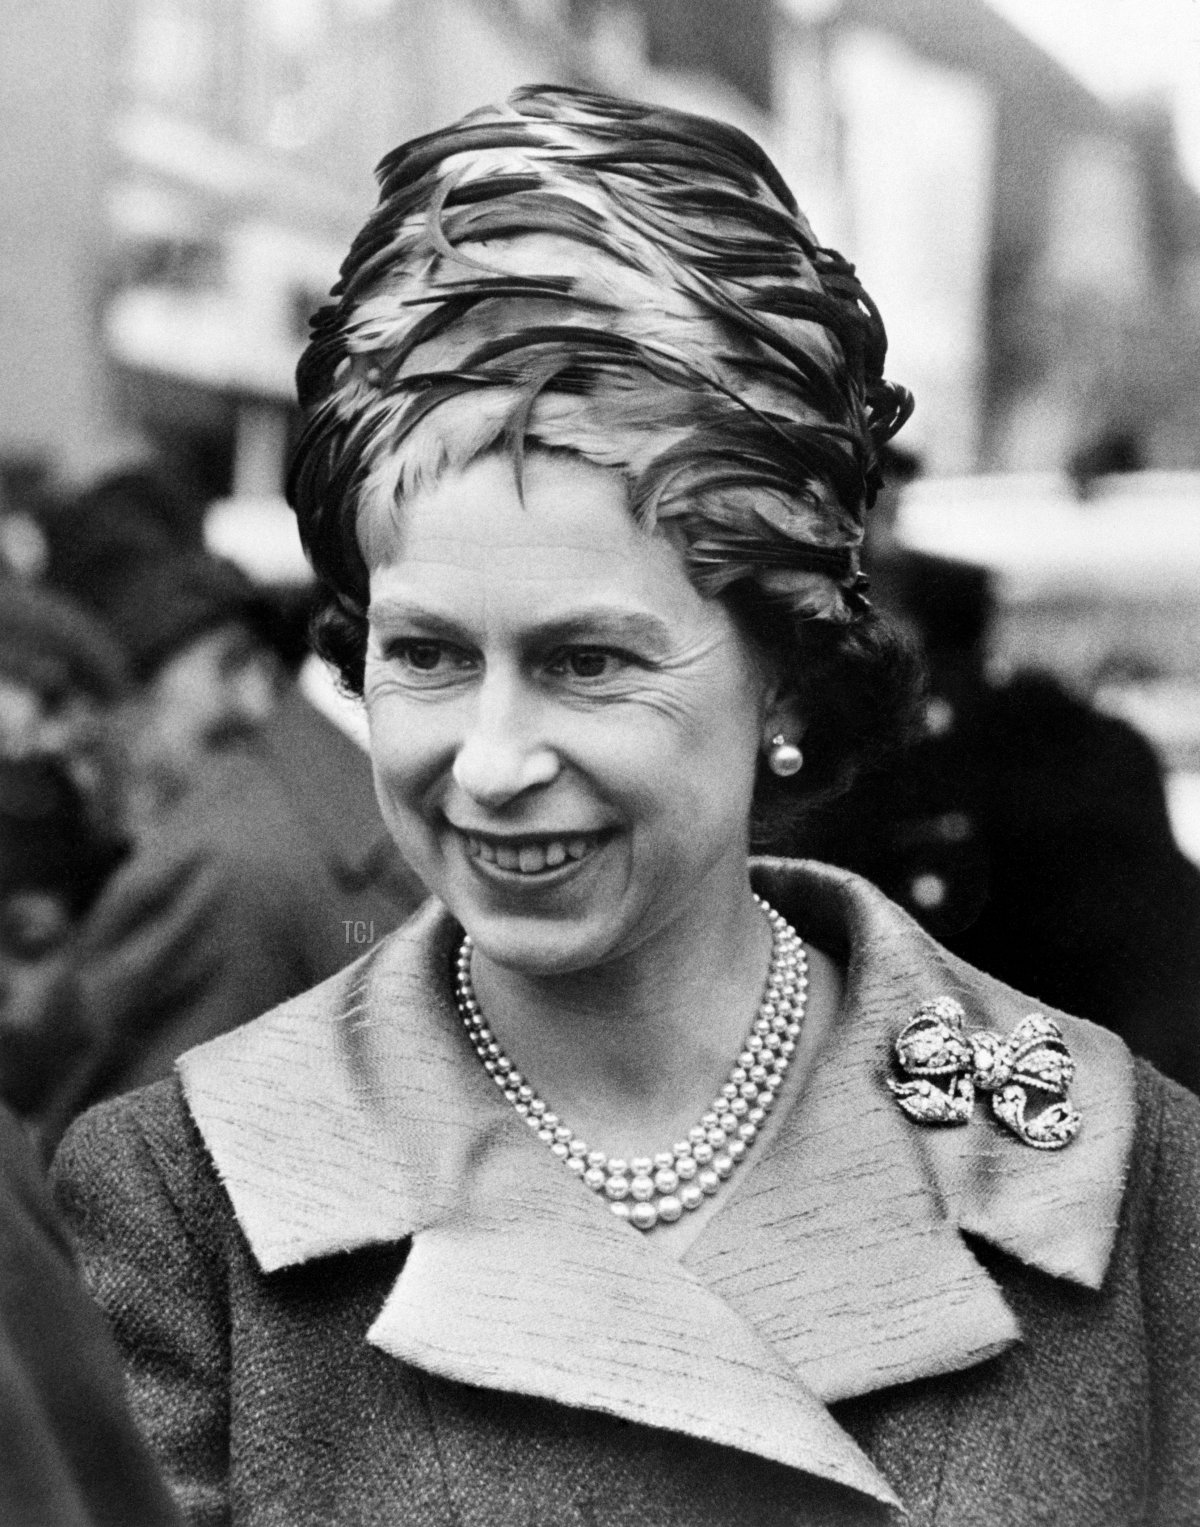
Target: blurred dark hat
52, 645
131, 550
157, 606
127, 516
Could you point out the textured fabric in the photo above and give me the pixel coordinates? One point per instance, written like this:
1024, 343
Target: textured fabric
70, 1455
391, 1334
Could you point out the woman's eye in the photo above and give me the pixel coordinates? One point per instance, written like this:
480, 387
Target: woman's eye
587, 663
423, 655
427, 658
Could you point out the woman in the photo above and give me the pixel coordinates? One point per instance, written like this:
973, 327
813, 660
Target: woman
603, 1192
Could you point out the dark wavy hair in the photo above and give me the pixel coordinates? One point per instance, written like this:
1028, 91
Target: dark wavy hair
637, 286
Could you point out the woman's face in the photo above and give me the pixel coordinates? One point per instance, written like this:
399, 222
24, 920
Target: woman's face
564, 732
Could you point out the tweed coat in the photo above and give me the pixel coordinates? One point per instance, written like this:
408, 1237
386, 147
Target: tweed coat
351, 1287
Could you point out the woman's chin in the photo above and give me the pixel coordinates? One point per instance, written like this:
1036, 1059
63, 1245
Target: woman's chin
555, 918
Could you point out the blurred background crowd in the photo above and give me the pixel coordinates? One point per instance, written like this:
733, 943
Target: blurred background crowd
187, 828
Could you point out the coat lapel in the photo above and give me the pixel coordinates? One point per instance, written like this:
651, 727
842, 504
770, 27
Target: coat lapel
890, 1292
358, 1115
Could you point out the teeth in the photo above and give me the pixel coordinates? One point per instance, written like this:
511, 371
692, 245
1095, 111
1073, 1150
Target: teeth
530, 858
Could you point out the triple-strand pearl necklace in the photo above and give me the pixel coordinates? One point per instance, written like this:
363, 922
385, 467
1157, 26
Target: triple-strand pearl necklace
649, 1190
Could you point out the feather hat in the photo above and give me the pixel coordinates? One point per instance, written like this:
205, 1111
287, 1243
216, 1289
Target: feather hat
623, 281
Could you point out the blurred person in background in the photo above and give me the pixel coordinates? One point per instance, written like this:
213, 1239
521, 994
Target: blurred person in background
197, 635
1026, 830
71, 1455
261, 865
63, 827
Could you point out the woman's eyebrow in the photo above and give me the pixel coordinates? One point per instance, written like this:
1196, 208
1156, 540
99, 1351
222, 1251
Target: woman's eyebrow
597, 625
636, 627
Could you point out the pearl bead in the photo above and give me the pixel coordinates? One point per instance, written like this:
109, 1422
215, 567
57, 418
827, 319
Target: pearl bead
695, 1167
644, 1216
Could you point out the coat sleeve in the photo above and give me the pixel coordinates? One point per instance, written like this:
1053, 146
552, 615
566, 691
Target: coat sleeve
140, 1243
70, 1454
1171, 1295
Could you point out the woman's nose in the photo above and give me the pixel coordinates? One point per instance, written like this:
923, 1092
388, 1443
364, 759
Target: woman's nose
500, 757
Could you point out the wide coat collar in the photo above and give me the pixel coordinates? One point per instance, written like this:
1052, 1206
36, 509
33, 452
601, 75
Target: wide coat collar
358, 1115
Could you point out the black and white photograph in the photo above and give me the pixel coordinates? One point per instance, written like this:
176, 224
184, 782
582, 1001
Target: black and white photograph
600, 763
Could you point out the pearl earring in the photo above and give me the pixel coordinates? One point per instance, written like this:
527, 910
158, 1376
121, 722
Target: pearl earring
784, 758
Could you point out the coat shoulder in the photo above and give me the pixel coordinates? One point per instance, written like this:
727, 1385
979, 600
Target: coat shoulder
143, 1150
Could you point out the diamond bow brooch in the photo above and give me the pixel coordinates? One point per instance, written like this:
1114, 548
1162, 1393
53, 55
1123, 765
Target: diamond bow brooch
948, 1065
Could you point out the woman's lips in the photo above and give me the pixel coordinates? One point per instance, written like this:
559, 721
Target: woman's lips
532, 856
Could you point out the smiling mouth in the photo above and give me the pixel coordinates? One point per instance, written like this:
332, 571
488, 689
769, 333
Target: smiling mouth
533, 856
